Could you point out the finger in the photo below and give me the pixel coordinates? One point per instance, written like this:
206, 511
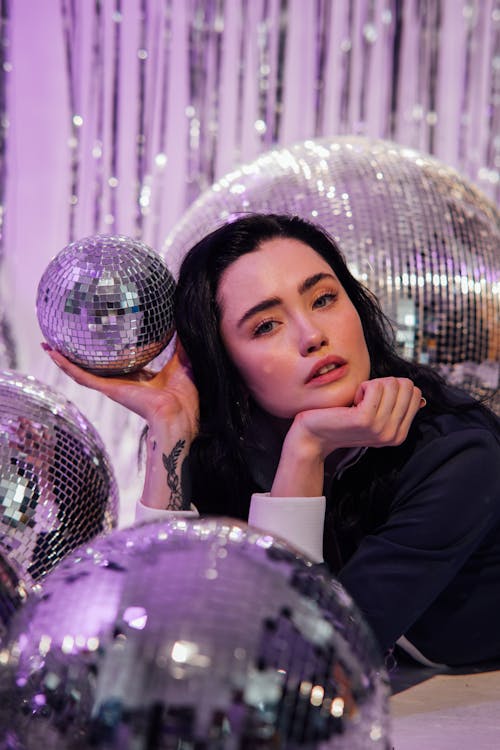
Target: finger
371, 392
69, 368
393, 407
107, 386
414, 407
381, 398
403, 412
405, 393
359, 395
391, 393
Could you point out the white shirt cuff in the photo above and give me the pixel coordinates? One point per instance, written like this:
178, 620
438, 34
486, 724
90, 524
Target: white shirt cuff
297, 520
145, 513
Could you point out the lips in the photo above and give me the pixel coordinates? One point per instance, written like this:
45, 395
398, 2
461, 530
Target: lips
325, 369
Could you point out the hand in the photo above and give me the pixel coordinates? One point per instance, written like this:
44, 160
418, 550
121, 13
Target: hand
381, 415
166, 394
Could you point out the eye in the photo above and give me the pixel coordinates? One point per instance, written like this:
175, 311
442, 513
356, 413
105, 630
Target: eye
266, 326
324, 300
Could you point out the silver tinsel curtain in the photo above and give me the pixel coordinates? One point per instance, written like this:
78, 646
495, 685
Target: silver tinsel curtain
166, 96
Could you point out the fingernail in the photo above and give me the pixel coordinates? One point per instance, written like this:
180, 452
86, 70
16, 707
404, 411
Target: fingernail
46, 347
422, 402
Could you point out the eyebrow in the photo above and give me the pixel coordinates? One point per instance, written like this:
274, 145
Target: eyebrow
266, 304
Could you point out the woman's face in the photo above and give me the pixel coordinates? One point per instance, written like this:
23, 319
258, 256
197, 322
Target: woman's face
291, 330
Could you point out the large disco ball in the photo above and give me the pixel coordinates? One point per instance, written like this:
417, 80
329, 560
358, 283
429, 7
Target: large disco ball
13, 592
57, 488
194, 634
106, 303
421, 237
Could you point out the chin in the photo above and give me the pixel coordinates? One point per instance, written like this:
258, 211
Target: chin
332, 400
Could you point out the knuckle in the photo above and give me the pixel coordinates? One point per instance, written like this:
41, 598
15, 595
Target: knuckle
378, 431
405, 383
389, 437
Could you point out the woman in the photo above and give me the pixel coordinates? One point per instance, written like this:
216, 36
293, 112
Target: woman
288, 384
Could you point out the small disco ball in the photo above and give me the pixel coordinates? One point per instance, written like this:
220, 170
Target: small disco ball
57, 488
203, 634
420, 236
106, 303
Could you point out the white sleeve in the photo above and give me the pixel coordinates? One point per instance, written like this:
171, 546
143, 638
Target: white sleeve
297, 520
145, 513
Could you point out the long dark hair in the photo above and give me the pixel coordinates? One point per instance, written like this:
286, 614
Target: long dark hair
221, 479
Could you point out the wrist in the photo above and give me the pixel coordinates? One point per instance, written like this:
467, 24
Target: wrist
301, 469
306, 442
167, 423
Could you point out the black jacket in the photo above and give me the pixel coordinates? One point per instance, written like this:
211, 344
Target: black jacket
413, 533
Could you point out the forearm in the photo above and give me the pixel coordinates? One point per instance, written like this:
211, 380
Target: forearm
300, 471
167, 446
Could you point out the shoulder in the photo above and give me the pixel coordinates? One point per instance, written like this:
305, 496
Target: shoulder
469, 424
437, 436
453, 457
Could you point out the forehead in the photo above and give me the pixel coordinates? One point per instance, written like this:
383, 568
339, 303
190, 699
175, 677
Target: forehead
271, 269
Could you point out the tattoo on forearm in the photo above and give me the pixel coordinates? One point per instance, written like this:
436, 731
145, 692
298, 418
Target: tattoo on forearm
173, 480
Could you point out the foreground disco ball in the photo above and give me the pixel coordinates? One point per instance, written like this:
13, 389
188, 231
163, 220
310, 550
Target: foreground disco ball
189, 634
420, 236
106, 303
57, 488
13, 592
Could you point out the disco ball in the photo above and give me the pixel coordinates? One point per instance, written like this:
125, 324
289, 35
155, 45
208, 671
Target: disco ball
13, 592
419, 235
57, 488
106, 303
203, 634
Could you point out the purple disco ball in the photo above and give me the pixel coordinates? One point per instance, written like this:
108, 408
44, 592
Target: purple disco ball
106, 303
57, 488
203, 634
420, 236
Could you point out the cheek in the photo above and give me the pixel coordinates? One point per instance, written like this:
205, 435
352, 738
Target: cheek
361, 349
265, 378
260, 373
365, 369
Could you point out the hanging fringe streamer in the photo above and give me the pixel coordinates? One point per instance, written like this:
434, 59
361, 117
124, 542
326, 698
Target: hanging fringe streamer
241, 69
68, 11
197, 62
369, 37
490, 172
323, 15
345, 73
206, 29
272, 34
97, 97
280, 69
8, 358
111, 218
395, 18
160, 158
142, 192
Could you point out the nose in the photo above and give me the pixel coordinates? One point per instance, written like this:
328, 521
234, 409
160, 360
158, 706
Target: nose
312, 338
